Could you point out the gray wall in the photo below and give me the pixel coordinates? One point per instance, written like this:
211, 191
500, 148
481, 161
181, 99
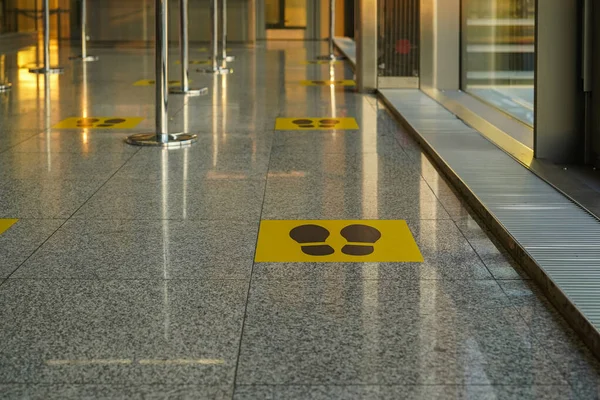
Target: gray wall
133, 20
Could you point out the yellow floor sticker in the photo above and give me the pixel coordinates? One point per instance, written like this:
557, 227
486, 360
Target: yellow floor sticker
99, 123
346, 82
304, 123
5, 224
336, 241
321, 62
151, 82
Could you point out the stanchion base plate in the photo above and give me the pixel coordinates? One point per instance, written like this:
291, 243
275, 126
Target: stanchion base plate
218, 71
51, 70
149, 139
332, 57
82, 58
5, 87
189, 92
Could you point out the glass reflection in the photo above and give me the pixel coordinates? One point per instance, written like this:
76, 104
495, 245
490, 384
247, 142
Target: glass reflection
498, 54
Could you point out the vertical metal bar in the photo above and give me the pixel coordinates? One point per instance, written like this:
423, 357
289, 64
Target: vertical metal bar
587, 79
46, 35
224, 29
183, 45
161, 72
83, 29
331, 27
214, 11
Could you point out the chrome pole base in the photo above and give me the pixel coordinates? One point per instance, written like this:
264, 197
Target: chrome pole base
82, 58
51, 70
149, 139
5, 87
331, 57
189, 91
217, 71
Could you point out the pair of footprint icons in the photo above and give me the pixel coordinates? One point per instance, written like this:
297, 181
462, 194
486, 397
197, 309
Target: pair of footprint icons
361, 239
93, 122
322, 123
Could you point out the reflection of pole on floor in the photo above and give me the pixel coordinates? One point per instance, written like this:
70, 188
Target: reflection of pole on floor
46, 69
161, 137
225, 57
214, 42
184, 58
4, 84
331, 55
84, 55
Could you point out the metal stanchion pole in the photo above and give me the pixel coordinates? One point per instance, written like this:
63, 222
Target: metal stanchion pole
4, 84
215, 68
184, 54
224, 57
331, 56
46, 69
162, 137
84, 55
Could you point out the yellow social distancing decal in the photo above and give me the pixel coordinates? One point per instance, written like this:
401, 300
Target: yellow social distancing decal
336, 241
6, 223
345, 82
324, 123
151, 82
99, 123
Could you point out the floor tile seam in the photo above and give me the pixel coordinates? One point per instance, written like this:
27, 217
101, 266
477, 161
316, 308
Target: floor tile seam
68, 218
342, 385
24, 140
245, 221
239, 351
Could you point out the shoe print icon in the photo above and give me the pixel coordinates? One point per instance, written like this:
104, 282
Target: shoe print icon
361, 239
312, 240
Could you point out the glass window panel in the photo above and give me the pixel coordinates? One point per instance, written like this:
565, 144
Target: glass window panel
498, 54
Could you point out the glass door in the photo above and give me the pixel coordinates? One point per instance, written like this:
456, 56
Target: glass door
285, 14
498, 52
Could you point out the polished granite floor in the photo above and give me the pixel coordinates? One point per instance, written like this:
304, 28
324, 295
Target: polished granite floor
130, 272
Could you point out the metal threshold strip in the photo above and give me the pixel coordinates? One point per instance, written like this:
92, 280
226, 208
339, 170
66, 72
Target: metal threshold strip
552, 237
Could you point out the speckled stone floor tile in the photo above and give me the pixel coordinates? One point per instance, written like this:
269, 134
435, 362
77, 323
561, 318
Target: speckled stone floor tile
174, 198
120, 332
392, 392
93, 392
22, 239
145, 249
29, 198
374, 332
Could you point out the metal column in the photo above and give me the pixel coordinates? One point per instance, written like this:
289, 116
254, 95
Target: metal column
4, 84
46, 69
224, 55
215, 67
184, 54
331, 55
162, 137
84, 55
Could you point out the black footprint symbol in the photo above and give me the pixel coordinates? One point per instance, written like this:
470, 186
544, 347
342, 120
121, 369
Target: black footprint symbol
311, 238
86, 122
328, 123
110, 122
303, 123
361, 238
